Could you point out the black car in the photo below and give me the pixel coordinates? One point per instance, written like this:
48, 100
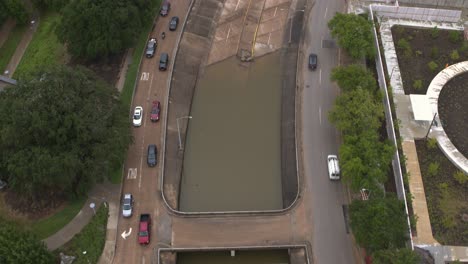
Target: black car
164, 61
151, 47
173, 23
165, 8
152, 155
313, 61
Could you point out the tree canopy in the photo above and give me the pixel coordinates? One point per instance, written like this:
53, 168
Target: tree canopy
396, 256
62, 130
354, 34
356, 111
379, 223
354, 77
14, 9
93, 29
50, 4
19, 246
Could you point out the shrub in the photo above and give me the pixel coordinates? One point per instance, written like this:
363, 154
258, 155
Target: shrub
404, 45
454, 36
419, 53
454, 55
431, 143
433, 168
434, 52
417, 84
435, 32
460, 177
464, 46
432, 66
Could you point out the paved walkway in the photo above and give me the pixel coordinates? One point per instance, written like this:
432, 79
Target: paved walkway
411, 129
105, 192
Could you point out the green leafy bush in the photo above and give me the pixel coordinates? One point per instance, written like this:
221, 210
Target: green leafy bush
432, 66
404, 45
455, 36
431, 143
454, 55
417, 84
460, 177
419, 53
433, 168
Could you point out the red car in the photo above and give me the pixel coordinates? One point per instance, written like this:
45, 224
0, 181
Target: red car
155, 110
145, 227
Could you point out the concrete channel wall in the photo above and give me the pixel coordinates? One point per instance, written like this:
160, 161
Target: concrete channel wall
189, 64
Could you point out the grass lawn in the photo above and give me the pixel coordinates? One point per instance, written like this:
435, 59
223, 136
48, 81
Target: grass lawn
9, 47
44, 49
91, 239
50, 225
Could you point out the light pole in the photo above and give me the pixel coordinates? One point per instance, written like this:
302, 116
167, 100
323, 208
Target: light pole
178, 129
430, 126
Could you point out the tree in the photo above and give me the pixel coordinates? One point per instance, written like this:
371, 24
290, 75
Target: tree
353, 77
50, 4
356, 111
365, 161
93, 29
396, 256
18, 246
62, 130
14, 9
379, 223
354, 34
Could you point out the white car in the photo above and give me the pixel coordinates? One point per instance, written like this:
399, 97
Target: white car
333, 167
137, 116
127, 205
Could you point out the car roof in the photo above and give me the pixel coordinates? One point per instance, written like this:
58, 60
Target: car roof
127, 196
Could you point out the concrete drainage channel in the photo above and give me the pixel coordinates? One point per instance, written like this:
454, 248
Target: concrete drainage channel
189, 63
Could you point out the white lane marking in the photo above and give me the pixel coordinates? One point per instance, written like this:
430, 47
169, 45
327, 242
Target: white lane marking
229, 31
326, 10
276, 9
238, 1
148, 97
320, 76
125, 234
143, 260
320, 114
269, 36
132, 174
144, 76
141, 165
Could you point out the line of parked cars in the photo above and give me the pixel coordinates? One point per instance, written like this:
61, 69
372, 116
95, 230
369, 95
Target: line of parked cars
144, 226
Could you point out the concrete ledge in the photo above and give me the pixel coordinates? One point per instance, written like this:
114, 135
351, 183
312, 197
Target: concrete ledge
433, 93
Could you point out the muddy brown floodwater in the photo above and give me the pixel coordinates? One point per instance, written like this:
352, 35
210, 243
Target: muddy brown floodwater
232, 152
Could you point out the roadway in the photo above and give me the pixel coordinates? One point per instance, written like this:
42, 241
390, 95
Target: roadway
139, 179
330, 241
321, 204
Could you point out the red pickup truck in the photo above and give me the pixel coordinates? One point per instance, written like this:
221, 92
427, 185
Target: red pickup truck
145, 229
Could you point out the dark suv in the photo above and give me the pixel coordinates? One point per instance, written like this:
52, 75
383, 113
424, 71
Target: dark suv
152, 155
165, 8
173, 23
163, 61
313, 61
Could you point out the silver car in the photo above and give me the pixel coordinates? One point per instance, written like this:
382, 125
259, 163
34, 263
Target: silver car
127, 208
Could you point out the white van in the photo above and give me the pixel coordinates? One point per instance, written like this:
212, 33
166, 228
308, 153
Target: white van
333, 167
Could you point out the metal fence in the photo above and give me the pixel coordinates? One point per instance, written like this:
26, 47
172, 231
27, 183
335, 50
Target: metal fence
418, 13
396, 163
444, 3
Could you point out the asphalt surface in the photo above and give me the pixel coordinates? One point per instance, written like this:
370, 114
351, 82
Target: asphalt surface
330, 242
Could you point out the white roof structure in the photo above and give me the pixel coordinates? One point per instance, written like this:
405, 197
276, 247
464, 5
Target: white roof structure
421, 107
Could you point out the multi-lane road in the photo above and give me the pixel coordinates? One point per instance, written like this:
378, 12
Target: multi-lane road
330, 241
318, 217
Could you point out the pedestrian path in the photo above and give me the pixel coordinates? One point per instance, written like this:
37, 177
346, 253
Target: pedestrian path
106, 192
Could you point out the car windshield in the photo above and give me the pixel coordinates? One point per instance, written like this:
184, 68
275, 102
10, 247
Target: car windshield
155, 110
136, 116
127, 207
165, 7
143, 233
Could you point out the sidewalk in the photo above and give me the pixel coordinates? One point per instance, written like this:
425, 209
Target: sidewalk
105, 192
